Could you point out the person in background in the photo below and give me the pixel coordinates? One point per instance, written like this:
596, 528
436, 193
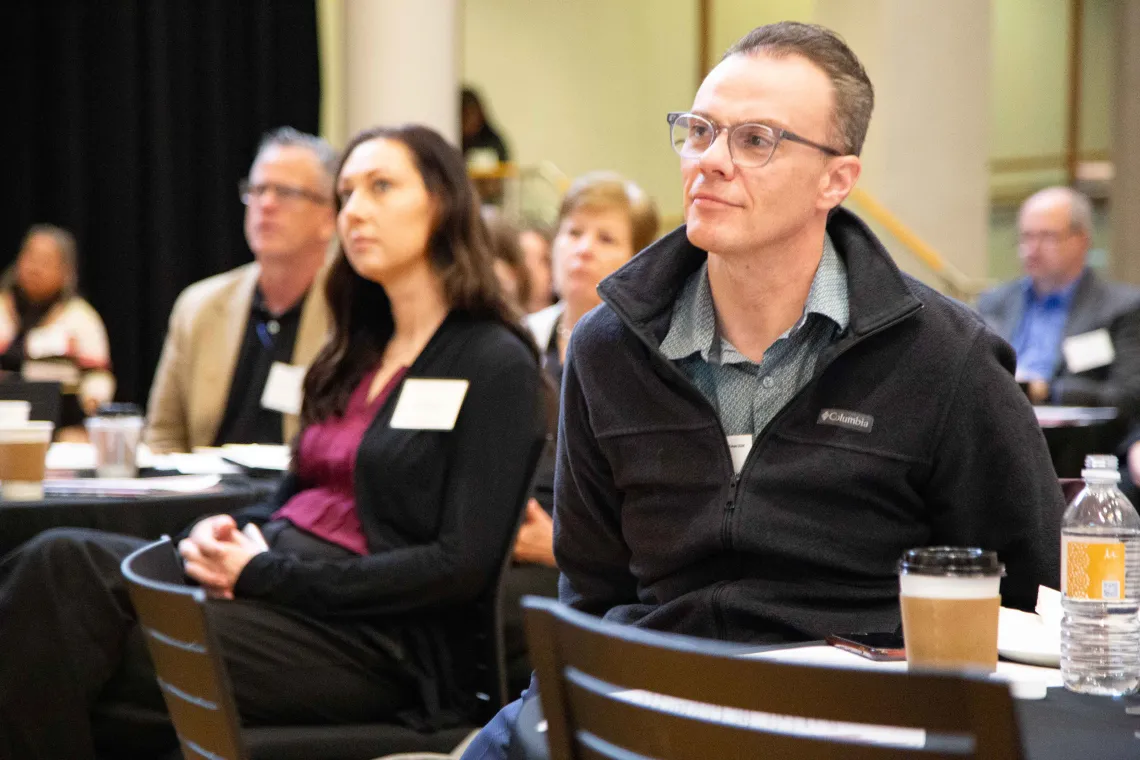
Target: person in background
483, 147
510, 267
348, 597
1077, 336
230, 335
603, 221
535, 242
478, 134
47, 331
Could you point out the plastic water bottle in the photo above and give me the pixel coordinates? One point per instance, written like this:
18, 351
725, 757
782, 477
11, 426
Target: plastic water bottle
1100, 585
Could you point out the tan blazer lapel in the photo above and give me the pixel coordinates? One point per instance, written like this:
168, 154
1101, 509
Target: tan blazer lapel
221, 331
312, 332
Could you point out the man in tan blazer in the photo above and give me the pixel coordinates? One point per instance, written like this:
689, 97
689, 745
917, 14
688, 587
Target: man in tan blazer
262, 324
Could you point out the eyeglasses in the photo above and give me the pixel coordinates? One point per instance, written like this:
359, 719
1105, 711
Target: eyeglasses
1047, 238
749, 145
284, 193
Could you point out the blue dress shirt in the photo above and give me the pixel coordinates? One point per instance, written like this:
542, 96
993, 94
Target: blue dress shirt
1038, 337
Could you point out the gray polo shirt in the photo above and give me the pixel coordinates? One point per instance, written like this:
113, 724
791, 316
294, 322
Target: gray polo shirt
747, 395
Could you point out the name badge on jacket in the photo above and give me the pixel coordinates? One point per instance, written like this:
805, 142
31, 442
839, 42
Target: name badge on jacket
429, 404
282, 391
1088, 351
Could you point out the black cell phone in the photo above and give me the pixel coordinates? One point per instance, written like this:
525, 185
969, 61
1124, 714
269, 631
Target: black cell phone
874, 646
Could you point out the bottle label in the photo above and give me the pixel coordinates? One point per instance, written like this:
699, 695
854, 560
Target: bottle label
1092, 570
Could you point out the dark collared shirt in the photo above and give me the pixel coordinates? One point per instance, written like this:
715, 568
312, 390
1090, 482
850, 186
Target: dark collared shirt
747, 395
268, 338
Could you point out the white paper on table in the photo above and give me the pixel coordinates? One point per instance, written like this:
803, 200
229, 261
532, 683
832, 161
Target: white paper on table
1059, 416
257, 456
72, 455
195, 464
131, 486
780, 724
835, 657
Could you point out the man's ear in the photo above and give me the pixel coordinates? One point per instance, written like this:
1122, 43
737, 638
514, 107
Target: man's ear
838, 181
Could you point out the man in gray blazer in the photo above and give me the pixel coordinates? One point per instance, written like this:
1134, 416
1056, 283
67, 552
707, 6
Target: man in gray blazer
1077, 336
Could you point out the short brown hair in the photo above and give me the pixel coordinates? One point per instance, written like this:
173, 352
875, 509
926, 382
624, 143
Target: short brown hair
854, 95
609, 190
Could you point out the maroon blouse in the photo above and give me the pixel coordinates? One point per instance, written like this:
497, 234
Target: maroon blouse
326, 462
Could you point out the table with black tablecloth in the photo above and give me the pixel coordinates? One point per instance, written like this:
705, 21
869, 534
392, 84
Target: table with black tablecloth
148, 516
1062, 726
1072, 433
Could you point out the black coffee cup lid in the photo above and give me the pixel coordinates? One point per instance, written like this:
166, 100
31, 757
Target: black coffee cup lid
950, 560
119, 410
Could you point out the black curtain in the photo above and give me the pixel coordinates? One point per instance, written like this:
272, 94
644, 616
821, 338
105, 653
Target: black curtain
130, 123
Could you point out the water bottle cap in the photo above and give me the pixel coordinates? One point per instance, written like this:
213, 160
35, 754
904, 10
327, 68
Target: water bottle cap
951, 560
1101, 462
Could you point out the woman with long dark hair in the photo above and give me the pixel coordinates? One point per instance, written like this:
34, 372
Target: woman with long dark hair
353, 601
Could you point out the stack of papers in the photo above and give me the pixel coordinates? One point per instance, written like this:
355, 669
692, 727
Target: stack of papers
828, 656
195, 464
129, 486
256, 456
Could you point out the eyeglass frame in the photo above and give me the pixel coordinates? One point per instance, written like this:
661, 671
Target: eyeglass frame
1047, 238
283, 192
780, 134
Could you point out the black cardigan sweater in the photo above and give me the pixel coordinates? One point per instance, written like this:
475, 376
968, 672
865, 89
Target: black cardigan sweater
438, 508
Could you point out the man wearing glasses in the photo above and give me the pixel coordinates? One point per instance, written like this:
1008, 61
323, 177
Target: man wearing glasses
765, 413
238, 342
1077, 337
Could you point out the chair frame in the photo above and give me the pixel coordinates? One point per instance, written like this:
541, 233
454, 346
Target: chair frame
581, 660
174, 619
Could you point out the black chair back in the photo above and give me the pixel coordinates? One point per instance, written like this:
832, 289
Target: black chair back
187, 661
583, 664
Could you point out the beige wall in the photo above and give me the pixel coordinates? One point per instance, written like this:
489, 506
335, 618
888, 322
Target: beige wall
586, 84
1030, 43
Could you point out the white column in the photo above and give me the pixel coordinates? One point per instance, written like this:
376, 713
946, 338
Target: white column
926, 153
1125, 198
402, 64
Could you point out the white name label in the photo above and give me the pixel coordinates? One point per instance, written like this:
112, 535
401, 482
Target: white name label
283, 388
1088, 351
429, 404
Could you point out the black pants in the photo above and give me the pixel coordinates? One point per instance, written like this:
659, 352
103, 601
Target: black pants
69, 647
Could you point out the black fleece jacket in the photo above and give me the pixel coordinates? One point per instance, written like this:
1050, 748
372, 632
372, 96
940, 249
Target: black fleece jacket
653, 528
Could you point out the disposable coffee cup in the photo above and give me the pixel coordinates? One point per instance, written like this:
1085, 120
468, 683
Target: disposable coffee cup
950, 597
114, 433
23, 454
14, 412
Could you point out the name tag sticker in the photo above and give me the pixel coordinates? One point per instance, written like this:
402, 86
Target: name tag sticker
282, 391
1088, 351
429, 404
738, 447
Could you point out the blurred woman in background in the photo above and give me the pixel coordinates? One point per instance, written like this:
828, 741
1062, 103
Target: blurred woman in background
534, 240
510, 265
47, 331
